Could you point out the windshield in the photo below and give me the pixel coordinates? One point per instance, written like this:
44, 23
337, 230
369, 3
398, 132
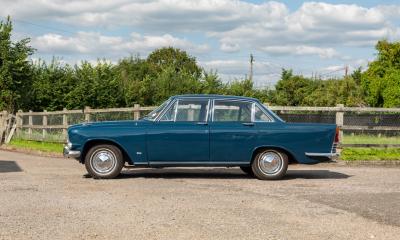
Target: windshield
154, 114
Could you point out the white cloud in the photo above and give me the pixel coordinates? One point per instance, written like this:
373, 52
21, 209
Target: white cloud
301, 50
93, 43
314, 29
230, 47
265, 73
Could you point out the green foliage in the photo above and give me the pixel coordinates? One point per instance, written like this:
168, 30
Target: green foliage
381, 81
293, 90
14, 69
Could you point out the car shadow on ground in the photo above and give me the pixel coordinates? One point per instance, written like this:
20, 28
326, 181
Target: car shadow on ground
9, 166
314, 174
171, 173
224, 173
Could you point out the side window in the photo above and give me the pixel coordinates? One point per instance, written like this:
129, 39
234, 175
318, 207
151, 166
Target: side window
232, 111
260, 116
187, 110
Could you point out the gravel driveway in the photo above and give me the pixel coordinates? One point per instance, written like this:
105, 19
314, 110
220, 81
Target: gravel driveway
51, 198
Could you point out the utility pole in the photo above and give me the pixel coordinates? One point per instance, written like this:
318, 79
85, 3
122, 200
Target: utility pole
346, 71
251, 67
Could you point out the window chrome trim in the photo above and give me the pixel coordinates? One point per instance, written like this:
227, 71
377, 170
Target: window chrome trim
229, 100
164, 111
253, 108
253, 112
211, 108
176, 109
271, 119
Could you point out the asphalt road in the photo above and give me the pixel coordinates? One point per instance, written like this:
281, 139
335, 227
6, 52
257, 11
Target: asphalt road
51, 198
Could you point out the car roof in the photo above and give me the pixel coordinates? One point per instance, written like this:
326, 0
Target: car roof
213, 96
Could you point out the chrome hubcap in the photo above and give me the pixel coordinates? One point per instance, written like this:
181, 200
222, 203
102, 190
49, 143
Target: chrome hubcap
103, 161
270, 162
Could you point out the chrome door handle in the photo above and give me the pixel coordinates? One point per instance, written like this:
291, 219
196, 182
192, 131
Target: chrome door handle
248, 124
202, 123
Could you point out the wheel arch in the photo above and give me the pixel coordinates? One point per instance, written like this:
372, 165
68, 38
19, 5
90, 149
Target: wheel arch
93, 142
292, 159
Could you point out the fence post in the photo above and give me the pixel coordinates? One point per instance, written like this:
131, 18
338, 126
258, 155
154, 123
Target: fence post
30, 123
3, 119
87, 114
65, 123
3, 122
44, 122
340, 120
136, 111
19, 121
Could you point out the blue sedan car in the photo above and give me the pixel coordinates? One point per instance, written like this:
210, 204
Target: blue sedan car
202, 130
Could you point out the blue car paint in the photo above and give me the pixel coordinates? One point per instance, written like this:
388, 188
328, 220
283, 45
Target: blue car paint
178, 142
224, 143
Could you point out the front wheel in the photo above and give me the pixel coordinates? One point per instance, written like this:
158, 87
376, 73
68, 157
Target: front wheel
270, 164
104, 161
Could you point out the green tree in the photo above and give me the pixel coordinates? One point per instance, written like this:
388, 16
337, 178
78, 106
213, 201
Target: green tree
211, 83
174, 58
15, 78
381, 80
292, 89
131, 73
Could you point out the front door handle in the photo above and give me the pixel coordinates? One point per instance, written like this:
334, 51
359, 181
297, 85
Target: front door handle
248, 124
202, 123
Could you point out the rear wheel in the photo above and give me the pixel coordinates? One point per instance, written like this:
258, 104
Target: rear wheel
104, 161
270, 164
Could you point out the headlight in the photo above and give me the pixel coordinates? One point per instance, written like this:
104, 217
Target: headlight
69, 144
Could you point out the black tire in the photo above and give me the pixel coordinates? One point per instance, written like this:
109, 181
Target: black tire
247, 170
277, 168
112, 156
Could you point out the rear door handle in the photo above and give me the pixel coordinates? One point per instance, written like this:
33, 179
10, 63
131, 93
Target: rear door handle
202, 123
248, 124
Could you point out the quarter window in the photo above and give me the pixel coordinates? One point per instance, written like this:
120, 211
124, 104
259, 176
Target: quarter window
259, 115
187, 111
232, 111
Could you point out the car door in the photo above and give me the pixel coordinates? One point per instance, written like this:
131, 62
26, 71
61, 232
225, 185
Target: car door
181, 135
232, 131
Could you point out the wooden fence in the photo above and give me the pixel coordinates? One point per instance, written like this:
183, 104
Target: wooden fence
26, 125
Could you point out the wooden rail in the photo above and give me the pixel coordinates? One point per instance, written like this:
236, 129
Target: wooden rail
137, 110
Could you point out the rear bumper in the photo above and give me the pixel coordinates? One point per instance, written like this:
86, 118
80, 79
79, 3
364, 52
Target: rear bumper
71, 153
323, 156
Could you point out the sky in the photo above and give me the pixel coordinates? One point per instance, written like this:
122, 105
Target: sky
312, 38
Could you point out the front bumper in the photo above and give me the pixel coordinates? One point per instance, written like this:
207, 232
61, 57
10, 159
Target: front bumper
71, 153
324, 156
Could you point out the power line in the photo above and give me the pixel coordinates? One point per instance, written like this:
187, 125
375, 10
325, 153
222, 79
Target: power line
42, 26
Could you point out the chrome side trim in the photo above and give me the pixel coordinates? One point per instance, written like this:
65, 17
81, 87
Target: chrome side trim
327, 155
197, 163
71, 153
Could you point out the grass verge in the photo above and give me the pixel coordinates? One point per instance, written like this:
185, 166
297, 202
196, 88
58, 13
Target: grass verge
35, 145
370, 139
370, 154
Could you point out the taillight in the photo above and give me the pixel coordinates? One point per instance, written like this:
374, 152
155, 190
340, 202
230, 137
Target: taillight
337, 135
